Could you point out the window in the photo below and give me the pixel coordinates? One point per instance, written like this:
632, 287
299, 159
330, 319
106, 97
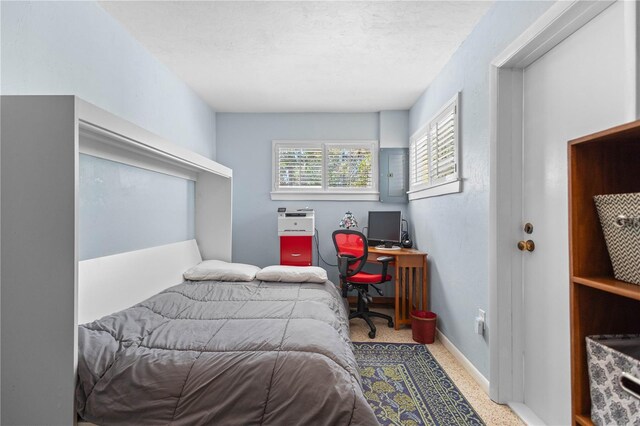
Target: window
325, 170
434, 155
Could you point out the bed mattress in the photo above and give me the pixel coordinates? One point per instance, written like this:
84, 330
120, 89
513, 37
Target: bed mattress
224, 353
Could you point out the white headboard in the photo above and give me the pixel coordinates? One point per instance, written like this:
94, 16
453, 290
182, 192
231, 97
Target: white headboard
112, 283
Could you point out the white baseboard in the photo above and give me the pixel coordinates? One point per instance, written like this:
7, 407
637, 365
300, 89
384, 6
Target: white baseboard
526, 415
471, 369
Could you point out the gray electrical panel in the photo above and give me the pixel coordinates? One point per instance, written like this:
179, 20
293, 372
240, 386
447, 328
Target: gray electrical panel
394, 175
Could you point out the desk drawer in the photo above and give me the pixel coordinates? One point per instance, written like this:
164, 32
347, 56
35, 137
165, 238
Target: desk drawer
296, 251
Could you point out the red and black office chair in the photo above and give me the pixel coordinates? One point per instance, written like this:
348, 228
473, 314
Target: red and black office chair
352, 251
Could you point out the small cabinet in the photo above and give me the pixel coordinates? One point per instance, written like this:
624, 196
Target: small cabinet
394, 175
296, 250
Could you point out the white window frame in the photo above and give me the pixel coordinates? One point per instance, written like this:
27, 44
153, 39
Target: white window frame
351, 194
453, 183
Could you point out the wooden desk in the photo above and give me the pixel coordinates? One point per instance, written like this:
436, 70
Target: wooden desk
410, 280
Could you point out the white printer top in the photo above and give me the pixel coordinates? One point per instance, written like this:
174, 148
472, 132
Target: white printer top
287, 212
296, 222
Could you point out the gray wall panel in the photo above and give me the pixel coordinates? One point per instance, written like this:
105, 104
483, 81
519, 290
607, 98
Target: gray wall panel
39, 272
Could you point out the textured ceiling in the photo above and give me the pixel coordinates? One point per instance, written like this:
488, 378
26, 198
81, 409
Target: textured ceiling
302, 56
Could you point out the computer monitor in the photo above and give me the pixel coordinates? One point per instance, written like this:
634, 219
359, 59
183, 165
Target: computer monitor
384, 227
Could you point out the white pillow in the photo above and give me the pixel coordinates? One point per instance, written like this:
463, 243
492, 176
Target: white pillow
292, 274
218, 270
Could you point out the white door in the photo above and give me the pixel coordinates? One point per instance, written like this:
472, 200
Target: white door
575, 89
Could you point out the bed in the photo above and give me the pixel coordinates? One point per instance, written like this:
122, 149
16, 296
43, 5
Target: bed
228, 353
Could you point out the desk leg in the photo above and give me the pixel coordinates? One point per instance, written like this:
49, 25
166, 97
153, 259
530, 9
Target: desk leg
425, 287
411, 284
396, 313
403, 293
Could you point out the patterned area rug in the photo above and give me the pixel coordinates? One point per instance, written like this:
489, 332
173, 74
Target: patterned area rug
405, 385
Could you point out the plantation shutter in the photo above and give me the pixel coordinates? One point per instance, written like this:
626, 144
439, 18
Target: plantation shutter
349, 166
443, 147
434, 154
422, 161
325, 166
299, 166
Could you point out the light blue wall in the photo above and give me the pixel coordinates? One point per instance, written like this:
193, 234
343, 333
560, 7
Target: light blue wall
76, 48
394, 129
244, 144
454, 228
124, 208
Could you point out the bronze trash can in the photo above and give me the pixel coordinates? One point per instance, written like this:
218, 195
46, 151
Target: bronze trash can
423, 326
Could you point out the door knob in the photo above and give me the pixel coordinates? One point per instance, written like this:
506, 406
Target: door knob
528, 245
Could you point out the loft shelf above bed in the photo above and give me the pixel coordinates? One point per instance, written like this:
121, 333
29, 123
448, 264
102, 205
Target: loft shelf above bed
112, 137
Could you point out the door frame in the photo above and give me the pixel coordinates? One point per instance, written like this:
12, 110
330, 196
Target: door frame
505, 322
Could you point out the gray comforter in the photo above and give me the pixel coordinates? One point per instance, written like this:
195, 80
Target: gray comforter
226, 354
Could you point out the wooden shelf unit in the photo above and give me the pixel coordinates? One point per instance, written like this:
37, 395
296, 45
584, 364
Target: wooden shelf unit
607, 162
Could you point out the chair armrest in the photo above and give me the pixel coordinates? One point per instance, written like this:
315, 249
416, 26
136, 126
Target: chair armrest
344, 260
385, 264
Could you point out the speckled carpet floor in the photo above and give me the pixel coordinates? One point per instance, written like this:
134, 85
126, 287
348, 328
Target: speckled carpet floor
405, 385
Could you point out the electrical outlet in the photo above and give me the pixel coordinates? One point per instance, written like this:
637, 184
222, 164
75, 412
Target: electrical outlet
480, 322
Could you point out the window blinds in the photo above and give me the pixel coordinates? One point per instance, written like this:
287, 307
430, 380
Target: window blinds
299, 167
422, 161
349, 167
443, 147
335, 166
433, 151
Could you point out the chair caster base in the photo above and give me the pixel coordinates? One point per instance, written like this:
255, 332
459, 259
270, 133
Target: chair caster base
390, 324
372, 334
